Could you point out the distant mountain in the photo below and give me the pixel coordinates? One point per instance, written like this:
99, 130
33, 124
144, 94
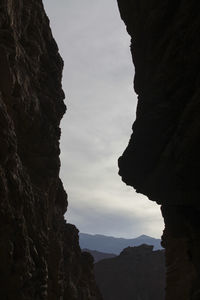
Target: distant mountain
109, 244
99, 255
137, 273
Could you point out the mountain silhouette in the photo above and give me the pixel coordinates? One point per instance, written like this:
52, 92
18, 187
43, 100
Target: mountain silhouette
97, 255
109, 244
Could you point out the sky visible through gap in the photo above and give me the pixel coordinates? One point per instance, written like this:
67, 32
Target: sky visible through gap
98, 84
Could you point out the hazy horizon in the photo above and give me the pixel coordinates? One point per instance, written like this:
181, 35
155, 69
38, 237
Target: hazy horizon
120, 237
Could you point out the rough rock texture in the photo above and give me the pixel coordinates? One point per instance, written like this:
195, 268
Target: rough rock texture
137, 273
162, 158
40, 254
79, 269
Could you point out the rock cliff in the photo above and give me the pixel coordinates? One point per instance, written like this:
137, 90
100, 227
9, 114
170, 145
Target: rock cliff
162, 158
40, 254
137, 273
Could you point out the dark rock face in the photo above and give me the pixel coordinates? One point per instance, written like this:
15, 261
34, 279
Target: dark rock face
35, 243
79, 274
161, 160
137, 273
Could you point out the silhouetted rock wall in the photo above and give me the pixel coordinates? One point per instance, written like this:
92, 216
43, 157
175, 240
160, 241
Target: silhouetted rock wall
162, 158
40, 254
137, 273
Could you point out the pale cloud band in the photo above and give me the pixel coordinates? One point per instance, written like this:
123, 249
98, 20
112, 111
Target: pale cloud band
101, 105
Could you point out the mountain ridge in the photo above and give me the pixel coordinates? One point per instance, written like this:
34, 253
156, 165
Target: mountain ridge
110, 244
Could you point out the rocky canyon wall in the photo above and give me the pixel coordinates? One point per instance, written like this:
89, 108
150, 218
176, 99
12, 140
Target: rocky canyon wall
162, 158
40, 254
138, 273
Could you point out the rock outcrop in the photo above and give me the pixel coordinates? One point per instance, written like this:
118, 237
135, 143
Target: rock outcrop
137, 273
162, 158
40, 254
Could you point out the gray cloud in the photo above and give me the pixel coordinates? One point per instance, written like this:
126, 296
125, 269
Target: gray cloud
101, 105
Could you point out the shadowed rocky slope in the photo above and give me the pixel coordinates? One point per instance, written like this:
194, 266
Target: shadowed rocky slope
97, 255
137, 273
40, 254
162, 158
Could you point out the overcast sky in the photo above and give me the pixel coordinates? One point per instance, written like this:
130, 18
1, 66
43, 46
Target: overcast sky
101, 104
